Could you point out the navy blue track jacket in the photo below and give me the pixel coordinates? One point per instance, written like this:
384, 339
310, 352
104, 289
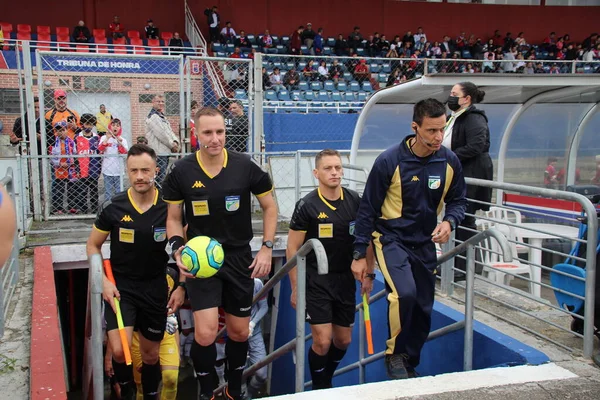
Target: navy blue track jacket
405, 193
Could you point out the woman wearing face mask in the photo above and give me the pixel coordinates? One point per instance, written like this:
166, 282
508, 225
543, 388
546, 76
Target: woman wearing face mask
467, 134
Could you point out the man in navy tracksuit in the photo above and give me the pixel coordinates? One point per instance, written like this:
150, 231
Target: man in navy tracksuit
405, 191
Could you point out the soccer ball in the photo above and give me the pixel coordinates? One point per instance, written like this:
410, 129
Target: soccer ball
202, 256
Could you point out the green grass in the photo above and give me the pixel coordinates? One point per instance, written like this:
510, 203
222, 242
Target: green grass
7, 364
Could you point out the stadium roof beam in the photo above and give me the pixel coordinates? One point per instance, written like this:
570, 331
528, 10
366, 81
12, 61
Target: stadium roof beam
522, 89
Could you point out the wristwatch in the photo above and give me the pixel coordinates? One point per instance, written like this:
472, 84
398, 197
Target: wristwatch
451, 222
357, 255
182, 284
370, 276
268, 244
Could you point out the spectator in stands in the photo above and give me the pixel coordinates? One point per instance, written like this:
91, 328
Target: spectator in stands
160, 135
520, 64
488, 64
336, 72
21, 126
461, 41
477, 50
497, 38
64, 168
509, 42
239, 77
467, 134
489, 48
60, 112
296, 40
521, 42
550, 173
436, 50
371, 47
266, 80
151, 30
213, 20
243, 42
111, 145
447, 45
237, 53
291, 79
352, 62
81, 33
408, 38
383, 46
89, 167
507, 66
323, 73
406, 50
355, 32
116, 29
529, 68
237, 138
276, 80
539, 68
308, 37
228, 34
354, 43
318, 43
420, 44
567, 39
393, 78
554, 69
549, 41
176, 44
266, 41
392, 53
361, 71
341, 46
309, 71
103, 119
469, 69
589, 41
420, 34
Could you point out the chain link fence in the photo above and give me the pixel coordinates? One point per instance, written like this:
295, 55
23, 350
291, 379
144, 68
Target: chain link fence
500, 64
226, 84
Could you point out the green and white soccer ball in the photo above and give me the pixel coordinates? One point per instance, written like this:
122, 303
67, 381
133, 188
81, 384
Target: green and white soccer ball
203, 256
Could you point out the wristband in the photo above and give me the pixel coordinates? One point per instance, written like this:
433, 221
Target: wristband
176, 242
370, 276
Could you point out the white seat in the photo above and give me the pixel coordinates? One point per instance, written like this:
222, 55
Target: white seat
499, 214
494, 266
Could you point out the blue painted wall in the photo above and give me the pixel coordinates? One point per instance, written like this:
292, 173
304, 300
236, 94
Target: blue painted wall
445, 354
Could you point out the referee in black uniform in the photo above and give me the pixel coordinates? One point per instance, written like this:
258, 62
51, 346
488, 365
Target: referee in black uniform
215, 185
136, 222
328, 213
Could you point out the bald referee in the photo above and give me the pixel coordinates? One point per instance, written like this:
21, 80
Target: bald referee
136, 222
216, 185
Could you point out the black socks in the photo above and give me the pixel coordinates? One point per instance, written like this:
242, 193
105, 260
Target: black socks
204, 358
237, 354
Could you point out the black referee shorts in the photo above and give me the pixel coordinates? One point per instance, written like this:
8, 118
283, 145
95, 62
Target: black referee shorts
231, 287
143, 306
330, 299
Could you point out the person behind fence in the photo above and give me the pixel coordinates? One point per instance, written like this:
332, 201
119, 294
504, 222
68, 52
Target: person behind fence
8, 221
256, 342
151, 30
81, 33
60, 112
193, 137
160, 135
176, 44
65, 170
467, 134
213, 20
135, 219
89, 167
407, 187
21, 127
112, 145
237, 137
215, 187
115, 28
327, 214
103, 118
550, 173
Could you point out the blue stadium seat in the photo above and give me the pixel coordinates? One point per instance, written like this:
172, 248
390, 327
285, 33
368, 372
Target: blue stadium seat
240, 94
375, 68
342, 87
309, 95
281, 49
336, 96
386, 67
301, 65
330, 41
288, 106
297, 95
323, 96
546, 69
329, 86
362, 96
382, 77
348, 76
360, 51
285, 40
587, 69
349, 96
217, 47
275, 40
303, 86
366, 86
544, 55
230, 47
327, 51
290, 65
271, 50
283, 95
267, 64
466, 54
304, 50
277, 64
251, 38
221, 54
354, 86
316, 85
271, 95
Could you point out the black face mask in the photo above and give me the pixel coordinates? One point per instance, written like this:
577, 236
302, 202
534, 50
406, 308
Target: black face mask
453, 103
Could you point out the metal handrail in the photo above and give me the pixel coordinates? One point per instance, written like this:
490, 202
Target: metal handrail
299, 261
10, 271
93, 365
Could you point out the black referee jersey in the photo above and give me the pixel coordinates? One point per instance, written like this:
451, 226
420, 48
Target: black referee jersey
332, 222
137, 239
218, 206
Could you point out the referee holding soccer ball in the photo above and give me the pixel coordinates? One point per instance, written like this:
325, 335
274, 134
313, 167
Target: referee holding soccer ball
215, 186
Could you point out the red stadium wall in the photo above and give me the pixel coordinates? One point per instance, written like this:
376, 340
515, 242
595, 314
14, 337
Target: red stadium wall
336, 16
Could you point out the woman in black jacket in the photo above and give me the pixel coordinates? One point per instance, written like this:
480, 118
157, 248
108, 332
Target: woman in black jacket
467, 134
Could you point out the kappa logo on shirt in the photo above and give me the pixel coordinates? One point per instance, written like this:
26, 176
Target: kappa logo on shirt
198, 185
322, 215
415, 179
126, 218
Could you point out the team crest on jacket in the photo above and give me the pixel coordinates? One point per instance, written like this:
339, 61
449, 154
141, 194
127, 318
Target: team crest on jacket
434, 182
232, 203
160, 234
352, 227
